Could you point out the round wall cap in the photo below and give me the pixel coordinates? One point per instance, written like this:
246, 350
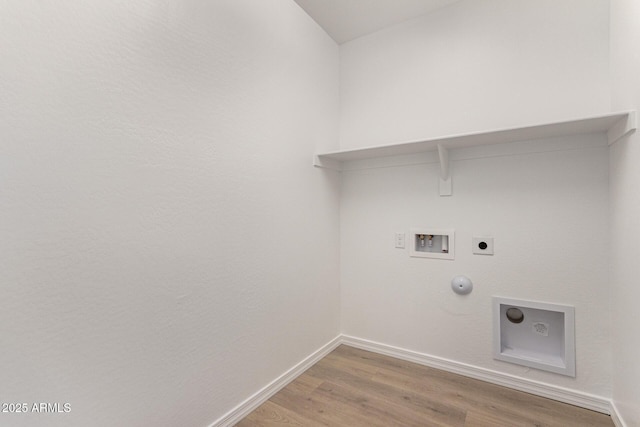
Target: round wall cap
461, 285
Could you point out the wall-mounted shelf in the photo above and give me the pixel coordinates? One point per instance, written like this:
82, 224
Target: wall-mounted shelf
614, 125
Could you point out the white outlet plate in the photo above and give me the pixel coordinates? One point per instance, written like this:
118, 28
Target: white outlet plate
477, 245
400, 240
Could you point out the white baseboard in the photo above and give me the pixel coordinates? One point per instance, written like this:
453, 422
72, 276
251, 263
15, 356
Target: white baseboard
573, 397
246, 407
615, 416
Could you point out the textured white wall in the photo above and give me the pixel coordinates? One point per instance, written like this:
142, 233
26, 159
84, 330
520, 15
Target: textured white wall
625, 214
474, 65
167, 249
547, 211
548, 214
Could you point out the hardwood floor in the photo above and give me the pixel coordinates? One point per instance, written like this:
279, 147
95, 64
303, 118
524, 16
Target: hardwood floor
352, 387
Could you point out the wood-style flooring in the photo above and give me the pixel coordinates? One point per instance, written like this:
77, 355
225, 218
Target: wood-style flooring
352, 387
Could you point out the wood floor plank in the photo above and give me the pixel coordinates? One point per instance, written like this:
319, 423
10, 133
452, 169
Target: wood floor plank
386, 412
481, 418
351, 365
437, 411
484, 419
479, 396
270, 414
322, 410
470, 393
353, 387
305, 384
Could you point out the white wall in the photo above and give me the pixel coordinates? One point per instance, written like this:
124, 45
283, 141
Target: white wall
625, 211
478, 64
167, 249
473, 66
548, 214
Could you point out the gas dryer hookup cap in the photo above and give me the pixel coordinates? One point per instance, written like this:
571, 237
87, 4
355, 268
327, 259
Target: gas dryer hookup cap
461, 285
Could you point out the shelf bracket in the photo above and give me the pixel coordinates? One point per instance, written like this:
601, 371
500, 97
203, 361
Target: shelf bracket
325, 163
625, 126
445, 173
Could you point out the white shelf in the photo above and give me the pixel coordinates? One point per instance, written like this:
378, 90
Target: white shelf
615, 125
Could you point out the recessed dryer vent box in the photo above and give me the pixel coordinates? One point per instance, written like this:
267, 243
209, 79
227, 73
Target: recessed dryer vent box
535, 334
431, 243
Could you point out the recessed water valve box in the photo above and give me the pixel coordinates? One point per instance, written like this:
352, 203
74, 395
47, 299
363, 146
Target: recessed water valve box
431, 243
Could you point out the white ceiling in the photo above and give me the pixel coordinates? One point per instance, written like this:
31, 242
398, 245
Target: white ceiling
346, 20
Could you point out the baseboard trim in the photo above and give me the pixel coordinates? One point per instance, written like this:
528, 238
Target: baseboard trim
615, 416
561, 394
583, 400
246, 407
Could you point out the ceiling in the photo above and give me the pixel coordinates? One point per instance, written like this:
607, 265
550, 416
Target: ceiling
346, 20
